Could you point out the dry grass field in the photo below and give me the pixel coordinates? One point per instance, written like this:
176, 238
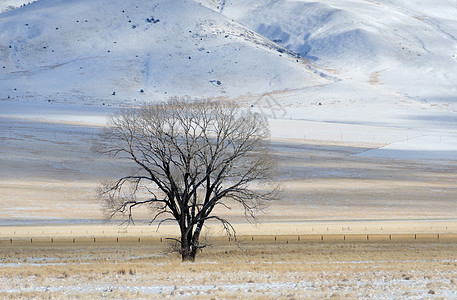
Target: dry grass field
259, 269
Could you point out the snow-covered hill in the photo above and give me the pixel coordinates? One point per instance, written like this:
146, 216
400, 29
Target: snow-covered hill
335, 60
407, 47
119, 51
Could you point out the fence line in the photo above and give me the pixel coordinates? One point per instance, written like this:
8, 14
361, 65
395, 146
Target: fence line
254, 238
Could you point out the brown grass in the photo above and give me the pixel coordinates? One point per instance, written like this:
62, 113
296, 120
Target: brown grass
262, 269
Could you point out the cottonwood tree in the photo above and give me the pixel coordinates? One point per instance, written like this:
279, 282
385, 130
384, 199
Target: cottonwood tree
191, 157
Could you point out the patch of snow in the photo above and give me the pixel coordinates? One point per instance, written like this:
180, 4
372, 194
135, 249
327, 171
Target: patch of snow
438, 147
56, 112
6, 5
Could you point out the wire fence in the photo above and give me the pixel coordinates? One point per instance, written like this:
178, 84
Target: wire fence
420, 237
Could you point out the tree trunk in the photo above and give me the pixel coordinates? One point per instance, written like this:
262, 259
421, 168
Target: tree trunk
188, 249
188, 254
190, 242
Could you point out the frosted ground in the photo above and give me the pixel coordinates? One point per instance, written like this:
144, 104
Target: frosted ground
258, 270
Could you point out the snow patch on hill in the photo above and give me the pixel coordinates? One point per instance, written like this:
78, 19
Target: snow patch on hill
6, 5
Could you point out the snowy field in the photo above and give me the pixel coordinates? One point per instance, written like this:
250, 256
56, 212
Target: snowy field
328, 169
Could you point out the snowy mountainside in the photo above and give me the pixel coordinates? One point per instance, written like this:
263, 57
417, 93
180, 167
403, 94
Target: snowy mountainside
406, 47
121, 51
342, 53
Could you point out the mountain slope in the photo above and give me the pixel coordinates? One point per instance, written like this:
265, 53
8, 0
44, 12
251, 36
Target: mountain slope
373, 54
123, 51
407, 47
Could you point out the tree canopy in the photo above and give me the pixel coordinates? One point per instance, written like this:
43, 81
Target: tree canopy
190, 157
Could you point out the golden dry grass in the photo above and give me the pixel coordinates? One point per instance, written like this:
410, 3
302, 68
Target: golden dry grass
260, 269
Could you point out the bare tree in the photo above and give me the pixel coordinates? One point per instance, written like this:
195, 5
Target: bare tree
191, 157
